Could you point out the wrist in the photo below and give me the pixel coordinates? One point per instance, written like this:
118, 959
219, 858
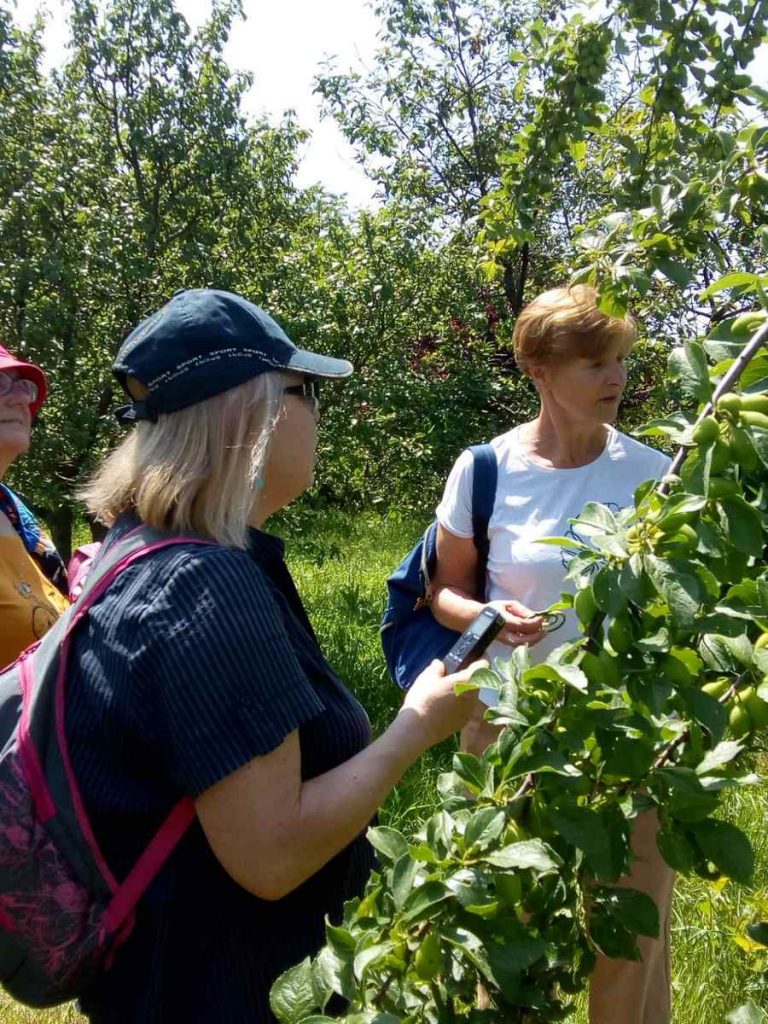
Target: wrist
409, 735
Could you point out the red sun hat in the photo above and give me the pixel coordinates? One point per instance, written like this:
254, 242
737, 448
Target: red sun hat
28, 370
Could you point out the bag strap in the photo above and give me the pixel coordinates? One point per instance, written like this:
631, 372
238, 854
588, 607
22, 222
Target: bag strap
117, 554
112, 560
148, 866
484, 480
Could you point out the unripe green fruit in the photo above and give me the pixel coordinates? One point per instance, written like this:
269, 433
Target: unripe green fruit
743, 450
721, 457
729, 403
584, 605
748, 322
672, 522
757, 710
685, 538
754, 419
428, 960
722, 487
755, 403
761, 642
620, 635
675, 670
706, 432
739, 721
717, 688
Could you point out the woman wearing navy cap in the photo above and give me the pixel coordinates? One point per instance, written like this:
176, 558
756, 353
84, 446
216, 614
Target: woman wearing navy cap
32, 577
199, 673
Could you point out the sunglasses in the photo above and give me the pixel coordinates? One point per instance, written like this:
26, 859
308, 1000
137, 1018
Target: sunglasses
309, 389
21, 385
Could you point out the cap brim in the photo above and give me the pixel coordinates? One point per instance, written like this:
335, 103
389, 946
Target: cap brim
30, 371
319, 366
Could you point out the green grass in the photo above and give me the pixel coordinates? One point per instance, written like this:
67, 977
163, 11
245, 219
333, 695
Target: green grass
340, 565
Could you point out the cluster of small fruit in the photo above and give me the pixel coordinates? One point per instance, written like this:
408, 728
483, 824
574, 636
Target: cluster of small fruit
726, 431
747, 712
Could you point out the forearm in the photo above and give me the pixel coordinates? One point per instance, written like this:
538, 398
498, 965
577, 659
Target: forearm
454, 608
335, 807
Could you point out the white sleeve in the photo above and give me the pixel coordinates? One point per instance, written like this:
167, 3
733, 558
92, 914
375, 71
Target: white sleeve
455, 509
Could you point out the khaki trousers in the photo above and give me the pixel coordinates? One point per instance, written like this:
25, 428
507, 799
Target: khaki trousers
638, 991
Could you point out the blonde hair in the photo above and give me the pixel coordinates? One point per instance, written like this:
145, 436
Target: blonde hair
197, 470
567, 322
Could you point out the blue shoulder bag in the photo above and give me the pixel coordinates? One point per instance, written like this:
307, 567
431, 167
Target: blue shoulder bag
410, 635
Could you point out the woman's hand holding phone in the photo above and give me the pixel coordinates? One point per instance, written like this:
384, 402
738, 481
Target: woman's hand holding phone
439, 710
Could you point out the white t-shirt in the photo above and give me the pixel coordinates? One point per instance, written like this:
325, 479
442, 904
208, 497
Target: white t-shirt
535, 501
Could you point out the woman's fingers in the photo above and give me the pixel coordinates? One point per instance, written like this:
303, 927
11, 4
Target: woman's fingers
511, 637
441, 710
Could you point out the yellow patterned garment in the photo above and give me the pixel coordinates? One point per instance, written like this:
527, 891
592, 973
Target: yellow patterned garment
29, 604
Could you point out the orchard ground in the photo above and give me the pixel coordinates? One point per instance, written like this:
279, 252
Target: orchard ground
340, 565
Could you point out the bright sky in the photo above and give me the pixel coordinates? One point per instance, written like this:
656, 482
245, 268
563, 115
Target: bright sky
282, 45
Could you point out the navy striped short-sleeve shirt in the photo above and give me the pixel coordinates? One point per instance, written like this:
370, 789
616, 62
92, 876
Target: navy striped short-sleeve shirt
194, 662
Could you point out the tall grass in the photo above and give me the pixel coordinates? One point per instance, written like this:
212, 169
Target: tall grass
340, 564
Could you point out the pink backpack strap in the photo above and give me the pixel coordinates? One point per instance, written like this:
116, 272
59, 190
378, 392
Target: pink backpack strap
146, 868
79, 566
135, 544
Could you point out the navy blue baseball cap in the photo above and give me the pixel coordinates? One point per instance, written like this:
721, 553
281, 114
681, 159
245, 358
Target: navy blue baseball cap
203, 342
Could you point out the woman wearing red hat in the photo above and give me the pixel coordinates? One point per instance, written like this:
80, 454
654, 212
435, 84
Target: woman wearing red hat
32, 578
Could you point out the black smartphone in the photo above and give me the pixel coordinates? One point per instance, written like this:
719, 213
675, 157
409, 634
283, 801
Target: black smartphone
473, 641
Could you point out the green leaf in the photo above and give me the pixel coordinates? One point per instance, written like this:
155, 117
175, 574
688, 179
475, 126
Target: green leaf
676, 848
403, 876
676, 272
440, 829
483, 827
602, 835
594, 518
423, 900
331, 974
676, 428
689, 366
572, 675
727, 847
635, 909
292, 997
722, 755
697, 470
340, 939
726, 655
510, 960
471, 770
744, 525
760, 442
530, 853
370, 957
608, 593
687, 801
680, 587
635, 582
629, 758
388, 842
706, 710
739, 279
483, 677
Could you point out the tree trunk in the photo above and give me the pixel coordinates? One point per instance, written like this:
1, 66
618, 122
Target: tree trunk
60, 522
98, 530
